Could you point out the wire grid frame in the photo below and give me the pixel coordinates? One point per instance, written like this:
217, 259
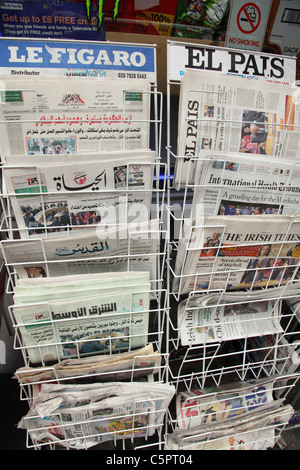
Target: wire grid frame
201, 364
157, 311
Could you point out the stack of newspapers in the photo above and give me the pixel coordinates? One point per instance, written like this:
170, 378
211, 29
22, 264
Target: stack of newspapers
225, 114
223, 316
77, 153
237, 252
104, 368
238, 416
74, 316
82, 416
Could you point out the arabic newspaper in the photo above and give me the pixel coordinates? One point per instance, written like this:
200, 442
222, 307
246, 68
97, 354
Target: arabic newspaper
109, 367
91, 321
232, 114
131, 247
83, 115
49, 196
81, 416
229, 252
231, 184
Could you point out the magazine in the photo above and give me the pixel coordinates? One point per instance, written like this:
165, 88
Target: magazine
229, 252
48, 197
131, 247
100, 368
231, 184
83, 115
81, 416
90, 321
220, 113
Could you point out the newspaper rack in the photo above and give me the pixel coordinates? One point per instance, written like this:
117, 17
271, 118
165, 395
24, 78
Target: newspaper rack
15, 235
209, 407
245, 356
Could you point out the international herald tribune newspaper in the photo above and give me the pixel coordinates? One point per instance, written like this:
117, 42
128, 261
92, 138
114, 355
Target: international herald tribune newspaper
234, 184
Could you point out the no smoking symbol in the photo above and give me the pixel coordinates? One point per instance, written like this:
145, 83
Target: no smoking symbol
248, 18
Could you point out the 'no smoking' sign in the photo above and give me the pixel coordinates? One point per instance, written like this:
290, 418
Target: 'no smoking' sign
248, 18
247, 24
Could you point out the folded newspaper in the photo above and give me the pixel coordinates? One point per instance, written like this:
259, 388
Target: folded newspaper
131, 247
224, 403
250, 433
82, 416
234, 114
90, 317
216, 317
100, 368
79, 191
229, 252
232, 184
83, 115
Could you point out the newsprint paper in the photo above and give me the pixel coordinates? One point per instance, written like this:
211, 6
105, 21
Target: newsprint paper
236, 416
233, 184
94, 320
83, 115
81, 416
115, 249
229, 252
200, 322
233, 114
47, 196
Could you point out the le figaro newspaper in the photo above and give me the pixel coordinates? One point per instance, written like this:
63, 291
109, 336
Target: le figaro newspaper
234, 114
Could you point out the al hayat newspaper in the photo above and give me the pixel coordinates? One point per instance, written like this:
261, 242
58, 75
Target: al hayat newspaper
83, 115
232, 184
233, 114
50, 196
115, 249
90, 320
100, 368
229, 252
81, 416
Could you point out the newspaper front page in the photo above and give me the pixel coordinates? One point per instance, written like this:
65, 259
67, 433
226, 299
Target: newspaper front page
229, 252
233, 184
115, 249
201, 325
90, 321
80, 417
233, 114
83, 115
50, 196
212, 405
